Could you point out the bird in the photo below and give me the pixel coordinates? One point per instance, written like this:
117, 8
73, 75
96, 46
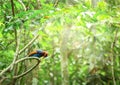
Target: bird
38, 54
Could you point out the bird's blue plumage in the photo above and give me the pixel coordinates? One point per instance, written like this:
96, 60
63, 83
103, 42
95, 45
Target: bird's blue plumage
39, 53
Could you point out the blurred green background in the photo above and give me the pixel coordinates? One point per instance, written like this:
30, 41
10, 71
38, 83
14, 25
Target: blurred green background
82, 38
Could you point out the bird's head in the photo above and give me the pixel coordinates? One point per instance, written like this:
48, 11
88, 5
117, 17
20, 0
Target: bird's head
45, 54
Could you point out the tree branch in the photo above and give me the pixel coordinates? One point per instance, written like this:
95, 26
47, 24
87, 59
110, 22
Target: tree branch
23, 59
12, 4
112, 56
22, 4
56, 3
22, 50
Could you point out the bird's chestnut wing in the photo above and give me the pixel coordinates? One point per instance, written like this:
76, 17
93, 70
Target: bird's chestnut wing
31, 53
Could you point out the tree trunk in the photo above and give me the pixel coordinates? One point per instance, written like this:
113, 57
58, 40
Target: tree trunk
64, 58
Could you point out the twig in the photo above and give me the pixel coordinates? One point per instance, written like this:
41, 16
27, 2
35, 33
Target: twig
21, 60
28, 44
2, 80
5, 70
38, 4
17, 49
56, 3
13, 66
22, 4
26, 58
112, 57
12, 4
8, 68
17, 39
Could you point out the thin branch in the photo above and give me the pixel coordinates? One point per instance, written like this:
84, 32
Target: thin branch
17, 49
13, 66
23, 59
22, 50
5, 70
26, 72
17, 39
38, 4
2, 80
56, 3
12, 4
112, 57
22, 4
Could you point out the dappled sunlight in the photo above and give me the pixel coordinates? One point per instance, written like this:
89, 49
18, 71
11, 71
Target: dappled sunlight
68, 42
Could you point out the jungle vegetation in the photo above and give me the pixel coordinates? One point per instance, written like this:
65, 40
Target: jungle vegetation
82, 38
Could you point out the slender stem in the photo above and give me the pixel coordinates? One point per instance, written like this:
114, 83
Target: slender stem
22, 50
112, 57
56, 3
23, 59
20, 1
12, 4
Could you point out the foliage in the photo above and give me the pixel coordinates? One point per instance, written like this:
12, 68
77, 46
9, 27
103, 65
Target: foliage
92, 40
